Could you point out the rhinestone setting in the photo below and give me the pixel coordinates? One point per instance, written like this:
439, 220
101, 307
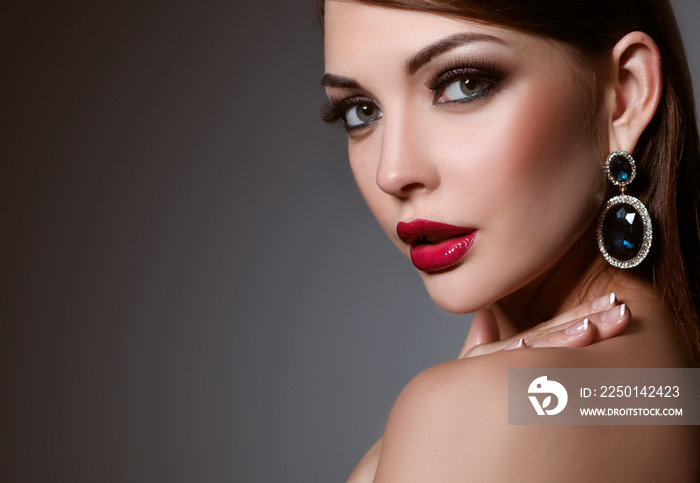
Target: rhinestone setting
622, 233
620, 168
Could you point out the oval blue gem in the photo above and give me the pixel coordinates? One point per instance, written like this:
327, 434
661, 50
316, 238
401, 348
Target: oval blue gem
620, 168
623, 232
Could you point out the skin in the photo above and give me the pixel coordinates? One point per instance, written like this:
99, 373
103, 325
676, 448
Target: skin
522, 166
494, 164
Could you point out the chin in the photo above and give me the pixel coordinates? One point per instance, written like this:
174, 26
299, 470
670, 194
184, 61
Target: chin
465, 292
455, 299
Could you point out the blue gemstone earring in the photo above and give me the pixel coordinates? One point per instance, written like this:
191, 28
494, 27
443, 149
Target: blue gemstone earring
624, 227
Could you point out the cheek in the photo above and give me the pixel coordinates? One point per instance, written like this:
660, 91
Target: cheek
557, 162
529, 175
534, 162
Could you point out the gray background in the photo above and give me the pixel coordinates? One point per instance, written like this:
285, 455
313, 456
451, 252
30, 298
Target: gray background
191, 288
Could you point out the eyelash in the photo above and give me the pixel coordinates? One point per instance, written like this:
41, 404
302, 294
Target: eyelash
457, 70
333, 111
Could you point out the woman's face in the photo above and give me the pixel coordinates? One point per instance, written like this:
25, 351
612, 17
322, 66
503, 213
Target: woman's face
475, 141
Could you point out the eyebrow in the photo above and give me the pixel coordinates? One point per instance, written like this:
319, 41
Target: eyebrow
419, 59
332, 80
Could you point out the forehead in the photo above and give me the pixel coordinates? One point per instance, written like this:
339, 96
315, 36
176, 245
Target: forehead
353, 29
355, 33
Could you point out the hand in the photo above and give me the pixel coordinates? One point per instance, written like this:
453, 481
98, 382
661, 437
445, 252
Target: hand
593, 321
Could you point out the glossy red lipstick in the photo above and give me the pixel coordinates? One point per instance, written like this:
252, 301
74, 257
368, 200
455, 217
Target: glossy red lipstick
435, 246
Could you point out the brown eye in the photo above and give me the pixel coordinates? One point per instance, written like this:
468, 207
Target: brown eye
463, 89
362, 114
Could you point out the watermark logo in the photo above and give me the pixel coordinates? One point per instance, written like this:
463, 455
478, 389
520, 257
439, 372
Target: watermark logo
542, 386
603, 396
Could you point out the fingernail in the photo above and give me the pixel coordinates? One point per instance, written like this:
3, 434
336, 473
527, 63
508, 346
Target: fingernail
577, 327
613, 314
516, 345
603, 302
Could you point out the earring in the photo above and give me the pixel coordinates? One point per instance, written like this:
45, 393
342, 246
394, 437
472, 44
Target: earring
624, 227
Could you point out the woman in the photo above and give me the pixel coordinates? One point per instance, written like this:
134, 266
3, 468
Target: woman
478, 134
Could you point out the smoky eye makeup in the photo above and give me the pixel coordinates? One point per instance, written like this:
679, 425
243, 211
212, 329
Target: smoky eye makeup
463, 80
453, 82
351, 113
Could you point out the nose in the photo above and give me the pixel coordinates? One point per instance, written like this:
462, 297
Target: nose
405, 165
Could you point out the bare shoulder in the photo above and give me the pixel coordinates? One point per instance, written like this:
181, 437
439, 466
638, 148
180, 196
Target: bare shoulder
451, 424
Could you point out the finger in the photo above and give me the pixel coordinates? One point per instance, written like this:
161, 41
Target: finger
593, 328
579, 334
542, 335
520, 344
596, 305
605, 325
483, 330
611, 322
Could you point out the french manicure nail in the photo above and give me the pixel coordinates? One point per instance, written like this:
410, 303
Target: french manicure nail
516, 345
603, 302
613, 314
577, 327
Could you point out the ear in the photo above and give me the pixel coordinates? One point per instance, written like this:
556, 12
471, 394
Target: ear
634, 89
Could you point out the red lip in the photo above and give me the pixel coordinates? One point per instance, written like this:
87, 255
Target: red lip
435, 246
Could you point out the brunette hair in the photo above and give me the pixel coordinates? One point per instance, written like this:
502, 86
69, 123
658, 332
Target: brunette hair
668, 151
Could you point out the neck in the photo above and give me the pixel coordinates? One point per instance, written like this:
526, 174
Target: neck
580, 275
